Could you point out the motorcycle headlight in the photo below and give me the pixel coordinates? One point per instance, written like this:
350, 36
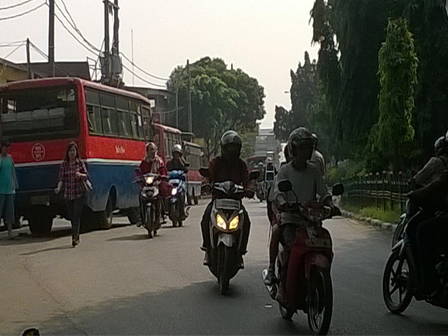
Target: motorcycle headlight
149, 179
173, 191
221, 222
233, 225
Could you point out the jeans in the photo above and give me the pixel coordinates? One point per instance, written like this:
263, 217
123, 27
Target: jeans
206, 228
74, 211
7, 211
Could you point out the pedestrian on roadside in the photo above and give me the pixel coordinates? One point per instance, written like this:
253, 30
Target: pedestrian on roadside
8, 186
73, 177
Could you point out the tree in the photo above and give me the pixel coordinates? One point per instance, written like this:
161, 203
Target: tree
398, 65
221, 99
303, 94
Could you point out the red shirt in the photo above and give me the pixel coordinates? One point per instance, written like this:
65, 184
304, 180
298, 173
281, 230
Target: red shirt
72, 185
156, 166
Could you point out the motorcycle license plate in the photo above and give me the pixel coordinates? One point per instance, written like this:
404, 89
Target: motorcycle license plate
318, 242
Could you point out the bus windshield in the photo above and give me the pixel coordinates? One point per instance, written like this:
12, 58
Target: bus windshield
39, 113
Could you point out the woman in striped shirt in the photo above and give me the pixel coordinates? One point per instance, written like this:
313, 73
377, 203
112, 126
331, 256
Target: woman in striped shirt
72, 175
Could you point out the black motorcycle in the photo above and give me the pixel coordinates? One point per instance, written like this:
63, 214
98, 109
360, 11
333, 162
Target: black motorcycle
226, 225
401, 275
150, 201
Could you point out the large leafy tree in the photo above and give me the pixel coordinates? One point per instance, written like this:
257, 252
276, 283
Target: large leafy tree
398, 65
221, 99
303, 94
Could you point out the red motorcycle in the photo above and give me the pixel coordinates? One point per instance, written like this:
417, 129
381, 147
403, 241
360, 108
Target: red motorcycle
307, 284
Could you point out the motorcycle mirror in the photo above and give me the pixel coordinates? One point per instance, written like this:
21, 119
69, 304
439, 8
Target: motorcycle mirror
338, 189
138, 171
187, 164
284, 186
204, 172
255, 174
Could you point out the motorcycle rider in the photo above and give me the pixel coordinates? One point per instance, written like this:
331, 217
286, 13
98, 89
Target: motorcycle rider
307, 183
226, 167
177, 162
153, 163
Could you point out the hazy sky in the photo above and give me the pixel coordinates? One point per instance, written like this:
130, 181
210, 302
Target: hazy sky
265, 38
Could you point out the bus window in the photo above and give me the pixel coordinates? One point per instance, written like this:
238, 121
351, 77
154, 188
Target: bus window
39, 113
93, 112
124, 119
146, 113
109, 114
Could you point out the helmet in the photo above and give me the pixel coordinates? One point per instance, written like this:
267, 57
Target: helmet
300, 137
231, 137
177, 148
441, 146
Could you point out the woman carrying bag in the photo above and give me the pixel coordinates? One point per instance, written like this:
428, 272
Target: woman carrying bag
73, 178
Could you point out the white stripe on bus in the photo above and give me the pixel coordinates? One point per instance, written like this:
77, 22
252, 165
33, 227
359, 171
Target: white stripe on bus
91, 161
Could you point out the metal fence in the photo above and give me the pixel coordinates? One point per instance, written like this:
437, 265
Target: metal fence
382, 190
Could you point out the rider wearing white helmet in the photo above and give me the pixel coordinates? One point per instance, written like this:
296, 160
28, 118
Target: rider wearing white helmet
177, 162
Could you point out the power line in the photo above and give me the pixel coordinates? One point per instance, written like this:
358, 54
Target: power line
24, 13
11, 44
144, 80
73, 35
73, 25
12, 52
145, 72
16, 5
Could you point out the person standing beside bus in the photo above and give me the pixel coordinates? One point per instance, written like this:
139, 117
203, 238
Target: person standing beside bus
8, 186
72, 175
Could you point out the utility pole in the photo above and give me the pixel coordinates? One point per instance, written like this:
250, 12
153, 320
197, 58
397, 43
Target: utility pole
115, 50
51, 39
28, 59
106, 74
190, 122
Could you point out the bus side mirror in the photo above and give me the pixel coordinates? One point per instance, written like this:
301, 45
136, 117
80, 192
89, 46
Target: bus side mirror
187, 164
204, 172
284, 186
338, 189
255, 174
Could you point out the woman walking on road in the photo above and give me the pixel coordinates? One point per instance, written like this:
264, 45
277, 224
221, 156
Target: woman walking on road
72, 177
8, 186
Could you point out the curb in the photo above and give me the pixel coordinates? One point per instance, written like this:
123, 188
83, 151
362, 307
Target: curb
369, 221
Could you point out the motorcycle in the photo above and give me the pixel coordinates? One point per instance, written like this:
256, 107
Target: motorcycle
226, 224
307, 283
401, 275
176, 201
150, 201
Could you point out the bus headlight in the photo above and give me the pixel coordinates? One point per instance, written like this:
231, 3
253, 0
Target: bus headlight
220, 222
173, 191
149, 179
233, 225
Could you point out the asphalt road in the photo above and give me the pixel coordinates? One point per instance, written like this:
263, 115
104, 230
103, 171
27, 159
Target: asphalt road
118, 282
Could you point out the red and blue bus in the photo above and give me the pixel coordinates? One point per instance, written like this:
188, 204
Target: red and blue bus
165, 137
40, 117
194, 155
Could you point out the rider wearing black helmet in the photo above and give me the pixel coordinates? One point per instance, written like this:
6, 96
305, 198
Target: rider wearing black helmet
226, 167
307, 183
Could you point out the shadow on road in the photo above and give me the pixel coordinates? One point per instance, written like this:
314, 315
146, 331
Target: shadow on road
197, 309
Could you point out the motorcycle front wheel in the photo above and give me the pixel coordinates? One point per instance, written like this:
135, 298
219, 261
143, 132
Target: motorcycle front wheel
397, 283
224, 259
320, 301
173, 212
